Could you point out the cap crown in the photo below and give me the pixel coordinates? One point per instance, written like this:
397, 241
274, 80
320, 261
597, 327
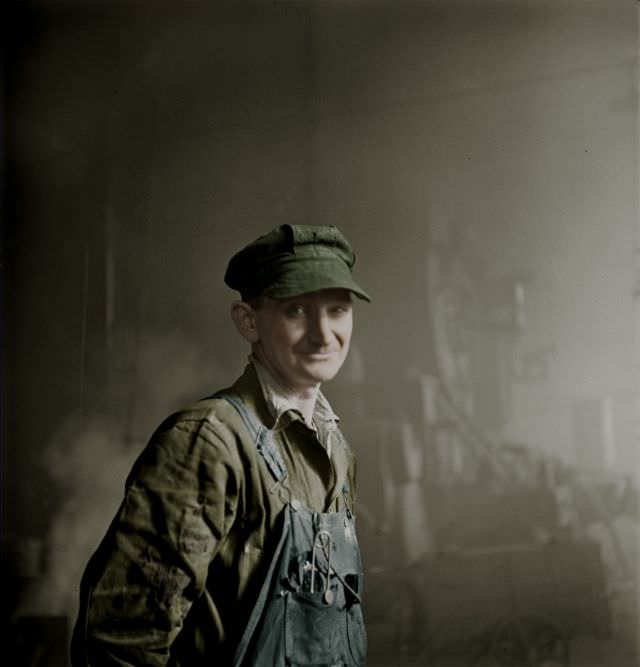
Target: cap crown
291, 260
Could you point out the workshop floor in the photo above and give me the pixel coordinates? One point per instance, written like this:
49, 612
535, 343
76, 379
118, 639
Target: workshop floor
585, 652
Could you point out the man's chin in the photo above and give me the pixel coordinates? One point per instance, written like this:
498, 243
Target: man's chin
323, 372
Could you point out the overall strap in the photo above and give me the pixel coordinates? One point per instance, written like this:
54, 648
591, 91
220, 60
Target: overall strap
346, 487
262, 436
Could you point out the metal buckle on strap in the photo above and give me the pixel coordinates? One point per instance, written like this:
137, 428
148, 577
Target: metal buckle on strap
284, 493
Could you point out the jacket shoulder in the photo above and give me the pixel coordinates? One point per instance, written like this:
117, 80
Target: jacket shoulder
209, 418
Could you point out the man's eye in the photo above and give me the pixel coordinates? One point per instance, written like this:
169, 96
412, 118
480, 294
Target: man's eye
295, 310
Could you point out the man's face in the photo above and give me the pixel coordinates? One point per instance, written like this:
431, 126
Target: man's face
304, 340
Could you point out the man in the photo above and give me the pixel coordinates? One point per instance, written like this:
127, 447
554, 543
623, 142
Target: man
235, 542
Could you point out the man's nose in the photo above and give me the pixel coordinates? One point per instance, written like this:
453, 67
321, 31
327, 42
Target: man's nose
319, 329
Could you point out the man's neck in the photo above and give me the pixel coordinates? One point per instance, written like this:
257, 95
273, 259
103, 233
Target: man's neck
303, 398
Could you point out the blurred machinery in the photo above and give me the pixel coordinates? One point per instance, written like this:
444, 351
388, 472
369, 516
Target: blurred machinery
487, 556
482, 553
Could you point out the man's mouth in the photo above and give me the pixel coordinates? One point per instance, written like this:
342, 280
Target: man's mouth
319, 356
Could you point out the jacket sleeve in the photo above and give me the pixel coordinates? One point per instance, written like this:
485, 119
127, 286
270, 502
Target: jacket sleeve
151, 566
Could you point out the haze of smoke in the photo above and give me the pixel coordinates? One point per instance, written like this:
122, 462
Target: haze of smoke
92, 464
89, 459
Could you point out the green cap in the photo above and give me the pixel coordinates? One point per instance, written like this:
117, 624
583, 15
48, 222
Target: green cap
292, 260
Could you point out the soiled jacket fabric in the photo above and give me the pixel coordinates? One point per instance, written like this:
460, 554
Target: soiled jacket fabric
176, 576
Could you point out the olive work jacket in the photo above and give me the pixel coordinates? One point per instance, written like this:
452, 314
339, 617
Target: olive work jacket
177, 574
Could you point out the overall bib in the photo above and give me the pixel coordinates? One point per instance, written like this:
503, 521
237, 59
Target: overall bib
309, 610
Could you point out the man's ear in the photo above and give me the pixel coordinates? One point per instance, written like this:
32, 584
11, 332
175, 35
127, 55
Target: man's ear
244, 318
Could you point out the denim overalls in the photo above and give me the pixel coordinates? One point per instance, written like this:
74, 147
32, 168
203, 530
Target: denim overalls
309, 609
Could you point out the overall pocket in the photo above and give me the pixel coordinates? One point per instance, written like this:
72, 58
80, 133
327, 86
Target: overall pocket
356, 635
314, 630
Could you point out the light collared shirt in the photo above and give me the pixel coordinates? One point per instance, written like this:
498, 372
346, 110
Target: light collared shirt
284, 409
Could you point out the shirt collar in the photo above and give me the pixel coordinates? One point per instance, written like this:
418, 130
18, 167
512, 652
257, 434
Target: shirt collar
282, 407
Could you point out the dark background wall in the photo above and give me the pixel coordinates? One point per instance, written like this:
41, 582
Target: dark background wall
147, 141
